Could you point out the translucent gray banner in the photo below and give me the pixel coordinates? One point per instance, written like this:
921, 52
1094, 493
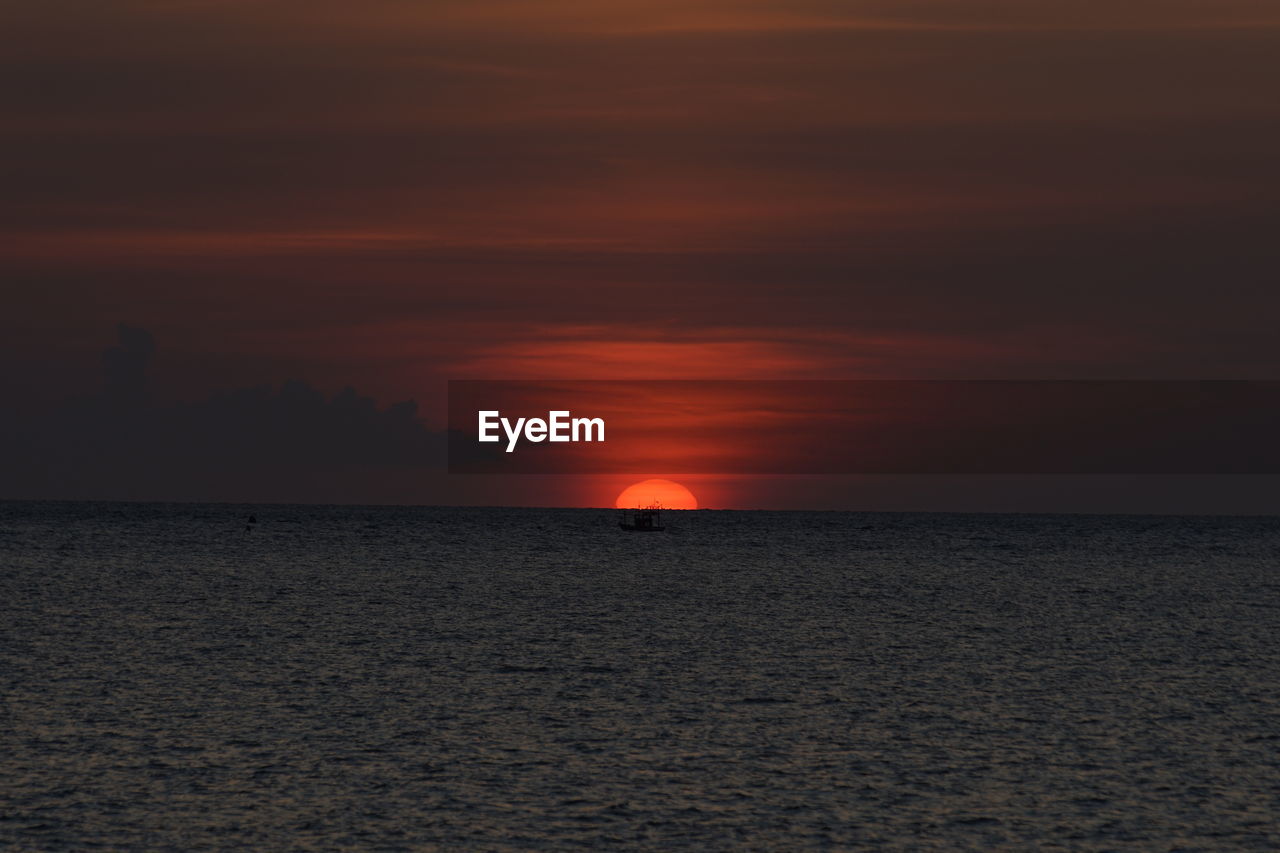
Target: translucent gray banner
864, 427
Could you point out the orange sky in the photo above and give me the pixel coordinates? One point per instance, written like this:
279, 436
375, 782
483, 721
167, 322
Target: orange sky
390, 194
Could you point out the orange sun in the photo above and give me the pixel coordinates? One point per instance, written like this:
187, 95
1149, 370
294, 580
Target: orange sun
664, 492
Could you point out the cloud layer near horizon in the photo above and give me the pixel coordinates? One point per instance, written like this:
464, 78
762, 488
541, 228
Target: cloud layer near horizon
290, 443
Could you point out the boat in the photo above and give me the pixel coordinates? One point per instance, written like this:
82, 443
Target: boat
645, 519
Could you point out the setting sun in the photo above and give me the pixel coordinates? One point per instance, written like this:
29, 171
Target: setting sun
668, 494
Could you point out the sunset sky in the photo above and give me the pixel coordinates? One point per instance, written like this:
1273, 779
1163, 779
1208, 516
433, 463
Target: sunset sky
389, 194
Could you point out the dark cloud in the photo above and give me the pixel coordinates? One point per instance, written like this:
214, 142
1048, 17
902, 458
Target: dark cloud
256, 442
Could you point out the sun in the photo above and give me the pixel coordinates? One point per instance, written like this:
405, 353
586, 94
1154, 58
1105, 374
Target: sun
668, 494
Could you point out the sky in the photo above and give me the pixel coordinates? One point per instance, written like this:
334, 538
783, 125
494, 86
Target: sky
312, 213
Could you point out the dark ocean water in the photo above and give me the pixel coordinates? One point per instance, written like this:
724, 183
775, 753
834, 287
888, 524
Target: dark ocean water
491, 679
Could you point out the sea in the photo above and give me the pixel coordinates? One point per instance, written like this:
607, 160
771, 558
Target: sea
402, 679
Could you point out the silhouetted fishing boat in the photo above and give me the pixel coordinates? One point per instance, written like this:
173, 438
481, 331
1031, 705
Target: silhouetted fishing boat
644, 519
